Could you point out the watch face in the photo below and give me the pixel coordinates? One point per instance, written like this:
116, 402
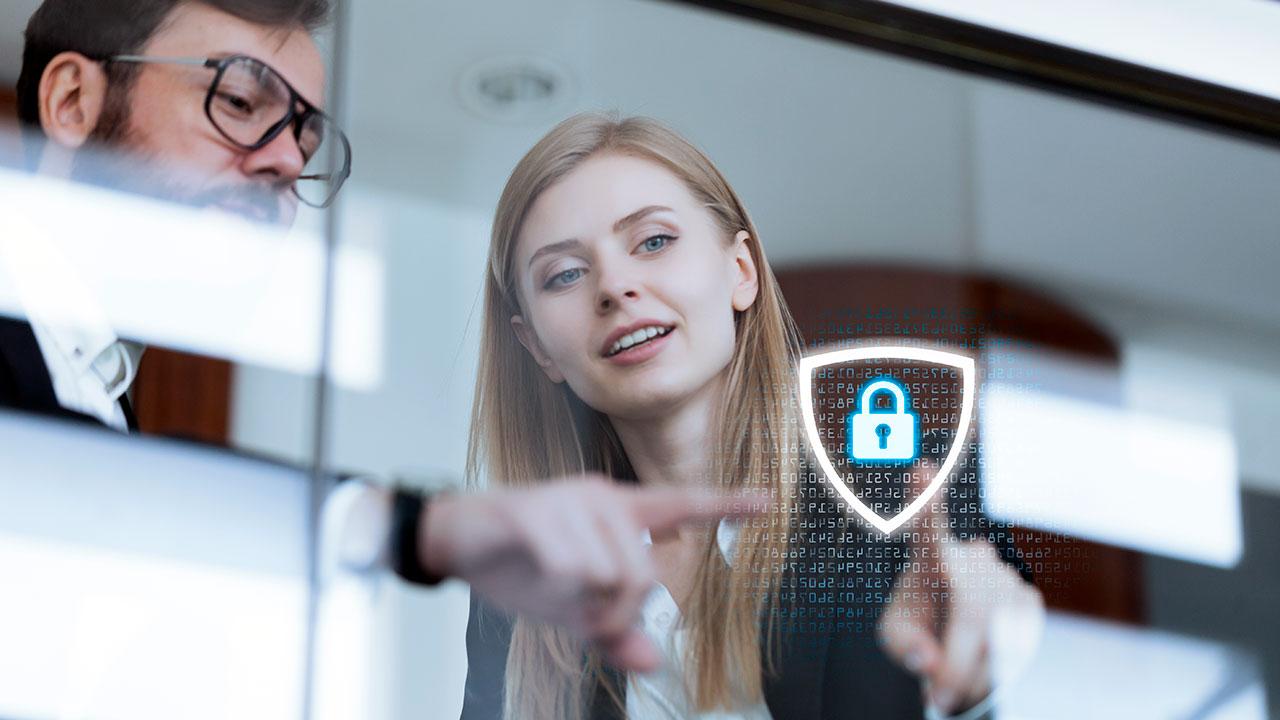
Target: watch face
355, 524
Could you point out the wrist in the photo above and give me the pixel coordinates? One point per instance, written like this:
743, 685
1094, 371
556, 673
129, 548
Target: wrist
435, 540
981, 710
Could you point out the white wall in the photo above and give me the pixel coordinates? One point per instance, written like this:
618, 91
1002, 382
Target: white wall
412, 425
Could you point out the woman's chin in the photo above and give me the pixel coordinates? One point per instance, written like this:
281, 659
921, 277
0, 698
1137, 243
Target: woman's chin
640, 403
647, 398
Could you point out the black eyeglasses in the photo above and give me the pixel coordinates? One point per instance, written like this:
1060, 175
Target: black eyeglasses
250, 104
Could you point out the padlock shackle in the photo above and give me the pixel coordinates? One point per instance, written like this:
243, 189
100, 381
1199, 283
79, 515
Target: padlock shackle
880, 385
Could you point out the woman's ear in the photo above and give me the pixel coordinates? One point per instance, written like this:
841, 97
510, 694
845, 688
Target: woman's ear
73, 90
747, 285
529, 339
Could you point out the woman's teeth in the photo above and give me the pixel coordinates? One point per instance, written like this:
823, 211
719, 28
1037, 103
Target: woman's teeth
642, 335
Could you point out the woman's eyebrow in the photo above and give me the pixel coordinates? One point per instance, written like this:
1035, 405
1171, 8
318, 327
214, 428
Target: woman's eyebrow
572, 244
555, 247
639, 215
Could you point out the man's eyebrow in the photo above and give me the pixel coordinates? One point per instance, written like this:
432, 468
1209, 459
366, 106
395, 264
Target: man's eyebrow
639, 215
555, 247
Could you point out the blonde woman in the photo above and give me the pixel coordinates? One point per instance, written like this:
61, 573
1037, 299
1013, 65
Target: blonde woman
633, 328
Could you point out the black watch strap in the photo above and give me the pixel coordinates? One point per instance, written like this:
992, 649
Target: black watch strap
406, 526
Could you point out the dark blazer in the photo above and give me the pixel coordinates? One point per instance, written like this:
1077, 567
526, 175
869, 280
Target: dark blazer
24, 379
830, 665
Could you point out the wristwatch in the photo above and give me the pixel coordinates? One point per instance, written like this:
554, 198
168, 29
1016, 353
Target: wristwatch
407, 515
366, 526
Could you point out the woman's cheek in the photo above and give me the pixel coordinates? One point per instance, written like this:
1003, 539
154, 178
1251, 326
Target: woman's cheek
567, 355
725, 332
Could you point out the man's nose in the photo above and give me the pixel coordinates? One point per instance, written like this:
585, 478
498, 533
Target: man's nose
279, 162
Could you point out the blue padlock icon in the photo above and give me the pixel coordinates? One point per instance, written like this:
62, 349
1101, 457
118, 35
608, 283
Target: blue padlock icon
882, 436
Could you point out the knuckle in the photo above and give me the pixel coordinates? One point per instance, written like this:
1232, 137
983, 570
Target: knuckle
634, 589
607, 574
554, 566
590, 491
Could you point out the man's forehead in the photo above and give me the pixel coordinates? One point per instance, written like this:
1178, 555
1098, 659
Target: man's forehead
197, 30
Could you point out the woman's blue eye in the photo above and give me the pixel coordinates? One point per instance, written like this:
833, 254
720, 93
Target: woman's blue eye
563, 278
656, 243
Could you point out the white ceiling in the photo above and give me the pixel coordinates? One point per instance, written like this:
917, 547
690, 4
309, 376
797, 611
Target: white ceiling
838, 152
842, 153
832, 148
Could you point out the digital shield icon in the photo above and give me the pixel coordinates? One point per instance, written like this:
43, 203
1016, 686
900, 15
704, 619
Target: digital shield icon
875, 416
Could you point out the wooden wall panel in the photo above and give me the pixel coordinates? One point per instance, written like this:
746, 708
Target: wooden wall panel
186, 396
10, 144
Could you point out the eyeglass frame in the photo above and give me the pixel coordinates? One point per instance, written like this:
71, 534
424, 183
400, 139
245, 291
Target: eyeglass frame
291, 118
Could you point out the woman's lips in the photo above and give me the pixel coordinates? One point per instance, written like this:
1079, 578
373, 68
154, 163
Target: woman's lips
637, 354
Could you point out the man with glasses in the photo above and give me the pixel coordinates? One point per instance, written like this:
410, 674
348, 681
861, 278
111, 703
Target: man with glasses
251, 104
218, 103
211, 105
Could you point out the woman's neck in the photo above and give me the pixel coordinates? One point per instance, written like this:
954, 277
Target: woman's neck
675, 448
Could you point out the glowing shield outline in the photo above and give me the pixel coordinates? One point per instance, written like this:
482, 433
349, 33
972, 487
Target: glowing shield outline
896, 352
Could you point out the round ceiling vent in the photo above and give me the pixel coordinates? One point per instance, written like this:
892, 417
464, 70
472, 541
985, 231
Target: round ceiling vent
515, 89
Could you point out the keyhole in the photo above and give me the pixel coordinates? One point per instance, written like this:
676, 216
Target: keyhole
883, 431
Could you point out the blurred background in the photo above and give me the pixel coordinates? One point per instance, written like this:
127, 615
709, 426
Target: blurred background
1082, 197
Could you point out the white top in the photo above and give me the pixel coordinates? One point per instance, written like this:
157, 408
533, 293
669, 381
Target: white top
661, 695
89, 370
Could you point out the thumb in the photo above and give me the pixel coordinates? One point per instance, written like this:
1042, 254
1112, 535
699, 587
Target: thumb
912, 644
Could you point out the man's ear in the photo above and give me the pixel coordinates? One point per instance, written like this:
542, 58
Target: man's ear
529, 340
73, 90
747, 285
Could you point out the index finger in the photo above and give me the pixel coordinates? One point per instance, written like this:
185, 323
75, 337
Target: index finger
662, 509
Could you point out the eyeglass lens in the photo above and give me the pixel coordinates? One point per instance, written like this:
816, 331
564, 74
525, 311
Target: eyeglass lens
250, 101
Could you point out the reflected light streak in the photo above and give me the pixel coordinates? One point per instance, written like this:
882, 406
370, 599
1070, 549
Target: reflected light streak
1135, 479
196, 280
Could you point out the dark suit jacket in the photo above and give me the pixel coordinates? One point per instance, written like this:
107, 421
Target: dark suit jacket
24, 379
829, 663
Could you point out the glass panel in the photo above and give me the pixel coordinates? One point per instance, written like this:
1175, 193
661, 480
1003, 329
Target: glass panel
1110, 276
153, 274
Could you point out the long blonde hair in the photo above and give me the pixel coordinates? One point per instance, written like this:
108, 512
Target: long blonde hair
526, 429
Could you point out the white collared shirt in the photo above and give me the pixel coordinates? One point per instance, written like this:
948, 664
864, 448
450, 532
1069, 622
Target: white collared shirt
661, 695
90, 370
89, 366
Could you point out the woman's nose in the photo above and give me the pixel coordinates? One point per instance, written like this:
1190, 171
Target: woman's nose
613, 289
